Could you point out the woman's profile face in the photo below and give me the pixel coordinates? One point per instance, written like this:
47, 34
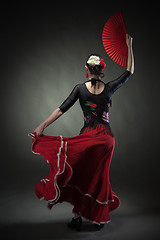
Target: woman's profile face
86, 67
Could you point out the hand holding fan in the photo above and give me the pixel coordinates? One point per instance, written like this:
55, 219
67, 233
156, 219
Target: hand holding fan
114, 39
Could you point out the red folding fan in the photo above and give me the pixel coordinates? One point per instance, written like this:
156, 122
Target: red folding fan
114, 39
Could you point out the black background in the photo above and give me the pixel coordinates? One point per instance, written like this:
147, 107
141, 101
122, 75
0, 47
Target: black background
43, 52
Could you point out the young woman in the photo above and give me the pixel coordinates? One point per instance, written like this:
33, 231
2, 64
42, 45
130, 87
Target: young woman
79, 165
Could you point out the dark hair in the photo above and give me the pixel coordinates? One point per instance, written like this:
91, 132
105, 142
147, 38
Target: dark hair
94, 69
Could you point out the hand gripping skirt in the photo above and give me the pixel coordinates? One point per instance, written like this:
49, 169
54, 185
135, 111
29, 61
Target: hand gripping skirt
79, 172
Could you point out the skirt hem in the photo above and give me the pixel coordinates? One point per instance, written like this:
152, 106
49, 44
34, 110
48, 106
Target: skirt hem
59, 186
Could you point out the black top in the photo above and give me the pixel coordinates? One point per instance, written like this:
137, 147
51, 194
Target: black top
95, 107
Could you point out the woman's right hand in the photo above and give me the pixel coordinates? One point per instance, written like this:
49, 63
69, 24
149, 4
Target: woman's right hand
39, 130
130, 63
129, 40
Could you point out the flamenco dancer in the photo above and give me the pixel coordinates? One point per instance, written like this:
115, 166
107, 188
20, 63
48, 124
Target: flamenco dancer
79, 165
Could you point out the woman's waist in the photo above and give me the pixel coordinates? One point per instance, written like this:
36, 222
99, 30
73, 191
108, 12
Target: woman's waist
98, 126
90, 119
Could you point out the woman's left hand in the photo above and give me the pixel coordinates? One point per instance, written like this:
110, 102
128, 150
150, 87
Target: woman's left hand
39, 130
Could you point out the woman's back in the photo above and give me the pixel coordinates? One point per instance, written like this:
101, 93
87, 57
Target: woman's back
94, 101
97, 89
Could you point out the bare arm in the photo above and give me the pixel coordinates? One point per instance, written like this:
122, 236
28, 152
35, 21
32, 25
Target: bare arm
68, 103
53, 117
130, 64
120, 81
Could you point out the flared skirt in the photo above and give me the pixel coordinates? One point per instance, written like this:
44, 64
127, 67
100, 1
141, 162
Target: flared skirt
79, 172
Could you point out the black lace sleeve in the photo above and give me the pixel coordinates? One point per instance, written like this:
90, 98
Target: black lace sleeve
71, 99
117, 83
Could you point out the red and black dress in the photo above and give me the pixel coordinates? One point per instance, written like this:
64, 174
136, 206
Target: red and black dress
79, 165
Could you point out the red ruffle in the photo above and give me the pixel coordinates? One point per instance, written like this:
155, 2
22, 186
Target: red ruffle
79, 172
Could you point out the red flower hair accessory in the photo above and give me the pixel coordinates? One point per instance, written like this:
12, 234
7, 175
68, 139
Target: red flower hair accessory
102, 63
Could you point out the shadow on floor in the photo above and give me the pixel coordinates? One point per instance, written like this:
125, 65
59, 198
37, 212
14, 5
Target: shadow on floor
121, 227
54, 230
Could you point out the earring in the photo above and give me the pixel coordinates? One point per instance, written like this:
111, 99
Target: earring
86, 75
102, 75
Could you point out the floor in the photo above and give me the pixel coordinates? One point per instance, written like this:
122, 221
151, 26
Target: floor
23, 216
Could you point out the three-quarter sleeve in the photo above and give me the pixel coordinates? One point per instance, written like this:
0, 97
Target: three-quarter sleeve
117, 83
70, 100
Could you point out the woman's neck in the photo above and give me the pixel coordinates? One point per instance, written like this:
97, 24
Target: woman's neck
93, 76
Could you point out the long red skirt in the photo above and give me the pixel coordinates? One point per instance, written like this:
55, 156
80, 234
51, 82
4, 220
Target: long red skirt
79, 172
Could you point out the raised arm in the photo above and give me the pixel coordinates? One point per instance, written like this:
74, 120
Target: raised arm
117, 83
130, 64
59, 111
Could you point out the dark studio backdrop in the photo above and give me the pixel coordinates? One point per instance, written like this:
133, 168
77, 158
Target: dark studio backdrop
43, 53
